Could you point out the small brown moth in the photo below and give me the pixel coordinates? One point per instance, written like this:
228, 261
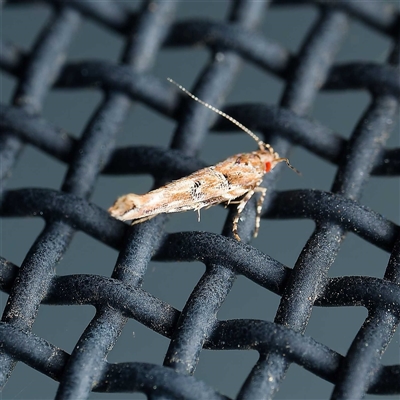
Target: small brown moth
234, 180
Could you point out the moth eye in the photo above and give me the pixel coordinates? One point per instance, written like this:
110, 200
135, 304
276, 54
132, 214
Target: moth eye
268, 166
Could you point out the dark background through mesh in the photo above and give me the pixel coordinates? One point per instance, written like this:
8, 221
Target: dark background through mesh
87, 115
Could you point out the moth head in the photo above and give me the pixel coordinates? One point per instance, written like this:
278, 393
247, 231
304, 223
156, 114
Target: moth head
274, 158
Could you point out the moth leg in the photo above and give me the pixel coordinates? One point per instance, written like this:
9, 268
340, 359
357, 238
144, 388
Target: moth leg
260, 202
240, 208
198, 215
230, 201
140, 220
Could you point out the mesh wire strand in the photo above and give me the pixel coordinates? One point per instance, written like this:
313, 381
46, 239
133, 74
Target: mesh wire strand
120, 297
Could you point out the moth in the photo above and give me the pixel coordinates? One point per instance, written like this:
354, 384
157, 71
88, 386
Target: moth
234, 180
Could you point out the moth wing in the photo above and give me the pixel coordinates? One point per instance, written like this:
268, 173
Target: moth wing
203, 188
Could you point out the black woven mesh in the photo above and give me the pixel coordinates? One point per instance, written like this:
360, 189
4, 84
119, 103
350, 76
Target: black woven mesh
147, 31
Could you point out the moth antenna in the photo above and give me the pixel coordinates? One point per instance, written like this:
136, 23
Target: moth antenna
286, 160
260, 143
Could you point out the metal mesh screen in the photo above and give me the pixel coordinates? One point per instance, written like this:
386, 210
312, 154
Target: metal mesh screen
147, 31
